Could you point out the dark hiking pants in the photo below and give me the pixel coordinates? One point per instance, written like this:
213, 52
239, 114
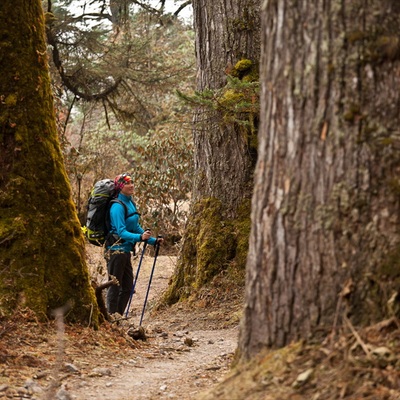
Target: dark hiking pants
120, 266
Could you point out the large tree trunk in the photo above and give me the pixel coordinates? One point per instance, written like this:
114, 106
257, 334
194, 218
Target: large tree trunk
325, 214
42, 262
227, 33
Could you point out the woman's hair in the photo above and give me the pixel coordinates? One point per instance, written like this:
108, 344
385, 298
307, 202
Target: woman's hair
121, 180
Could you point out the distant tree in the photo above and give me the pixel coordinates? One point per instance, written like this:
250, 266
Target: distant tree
109, 56
325, 240
42, 263
225, 142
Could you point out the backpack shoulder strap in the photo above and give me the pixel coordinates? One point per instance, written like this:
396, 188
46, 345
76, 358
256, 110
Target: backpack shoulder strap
119, 202
125, 208
134, 213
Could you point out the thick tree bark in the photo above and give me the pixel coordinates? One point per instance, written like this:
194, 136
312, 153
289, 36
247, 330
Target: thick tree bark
42, 263
325, 212
226, 33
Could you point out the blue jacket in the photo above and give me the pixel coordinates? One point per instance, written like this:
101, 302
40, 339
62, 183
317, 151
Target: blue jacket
127, 229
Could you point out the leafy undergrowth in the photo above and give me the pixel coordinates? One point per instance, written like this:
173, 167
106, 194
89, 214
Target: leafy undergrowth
354, 365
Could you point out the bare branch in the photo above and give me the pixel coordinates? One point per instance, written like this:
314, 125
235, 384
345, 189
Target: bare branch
182, 6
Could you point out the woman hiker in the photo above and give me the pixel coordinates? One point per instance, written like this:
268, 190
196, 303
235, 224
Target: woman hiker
125, 232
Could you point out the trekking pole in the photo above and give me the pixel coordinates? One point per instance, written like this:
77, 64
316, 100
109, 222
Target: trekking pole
151, 277
136, 278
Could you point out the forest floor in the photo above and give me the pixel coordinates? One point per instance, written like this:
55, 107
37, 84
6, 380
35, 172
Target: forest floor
183, 351
188, 353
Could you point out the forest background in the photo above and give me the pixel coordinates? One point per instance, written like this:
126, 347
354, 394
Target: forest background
323, 152
140, 125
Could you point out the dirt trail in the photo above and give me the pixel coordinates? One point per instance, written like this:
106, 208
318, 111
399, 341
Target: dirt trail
163, 371
186, 350
183, 355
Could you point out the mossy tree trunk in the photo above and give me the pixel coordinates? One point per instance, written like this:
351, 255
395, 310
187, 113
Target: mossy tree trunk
216, 236
42, 263
325, 237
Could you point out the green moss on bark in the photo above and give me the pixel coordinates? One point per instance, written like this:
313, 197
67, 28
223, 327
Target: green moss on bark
213, 245
42, 248
381, 289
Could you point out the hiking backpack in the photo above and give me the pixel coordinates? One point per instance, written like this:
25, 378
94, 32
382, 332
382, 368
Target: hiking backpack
98, 211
